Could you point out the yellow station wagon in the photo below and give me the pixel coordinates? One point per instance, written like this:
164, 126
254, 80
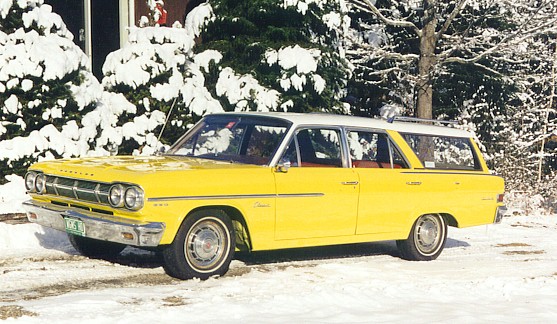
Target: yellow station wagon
265, 181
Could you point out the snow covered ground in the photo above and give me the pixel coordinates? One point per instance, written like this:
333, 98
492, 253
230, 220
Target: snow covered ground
497, 273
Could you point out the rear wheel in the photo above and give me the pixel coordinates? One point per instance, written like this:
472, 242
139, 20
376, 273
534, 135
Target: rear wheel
95, 248
426, 240
203, 247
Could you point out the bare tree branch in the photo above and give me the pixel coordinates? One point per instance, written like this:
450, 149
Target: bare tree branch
465, 61
450, 19
505, 42
367, 6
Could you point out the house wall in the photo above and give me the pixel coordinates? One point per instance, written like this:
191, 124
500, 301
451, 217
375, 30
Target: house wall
101, 26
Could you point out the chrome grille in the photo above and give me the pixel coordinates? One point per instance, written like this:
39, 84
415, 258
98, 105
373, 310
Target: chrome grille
84, 190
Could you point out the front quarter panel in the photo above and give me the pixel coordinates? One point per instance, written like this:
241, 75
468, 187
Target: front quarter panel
251, 191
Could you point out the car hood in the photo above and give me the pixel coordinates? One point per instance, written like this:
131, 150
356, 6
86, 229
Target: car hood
130, 168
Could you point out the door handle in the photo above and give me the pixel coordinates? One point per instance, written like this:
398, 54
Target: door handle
350, 183
414, 183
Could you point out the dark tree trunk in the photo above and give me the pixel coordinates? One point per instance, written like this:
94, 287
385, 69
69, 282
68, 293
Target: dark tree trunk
426, 62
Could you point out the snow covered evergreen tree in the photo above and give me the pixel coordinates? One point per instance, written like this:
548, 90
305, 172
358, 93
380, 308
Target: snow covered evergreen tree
150, 73
285, 56
229, 56
45, 87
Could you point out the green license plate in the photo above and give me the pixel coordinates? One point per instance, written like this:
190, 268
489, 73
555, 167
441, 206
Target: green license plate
75, 226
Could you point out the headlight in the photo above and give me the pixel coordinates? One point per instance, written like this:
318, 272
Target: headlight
30, 180
40, 183
133, 198
116, 195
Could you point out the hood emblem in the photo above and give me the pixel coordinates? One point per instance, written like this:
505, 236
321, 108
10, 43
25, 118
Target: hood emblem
77, 173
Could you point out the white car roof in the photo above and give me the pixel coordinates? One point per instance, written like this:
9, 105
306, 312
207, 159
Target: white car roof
323, 119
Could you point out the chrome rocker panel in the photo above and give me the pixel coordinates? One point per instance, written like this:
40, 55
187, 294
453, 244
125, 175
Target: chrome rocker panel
98, 226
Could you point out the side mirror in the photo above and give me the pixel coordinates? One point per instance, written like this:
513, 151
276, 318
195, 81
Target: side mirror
283, 166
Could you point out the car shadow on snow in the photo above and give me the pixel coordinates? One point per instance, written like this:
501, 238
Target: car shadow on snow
452, 243
319, 253
387, 248
51, 239
139, 258
130, 256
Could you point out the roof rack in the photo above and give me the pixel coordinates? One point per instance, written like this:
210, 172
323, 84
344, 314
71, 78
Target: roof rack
415, 119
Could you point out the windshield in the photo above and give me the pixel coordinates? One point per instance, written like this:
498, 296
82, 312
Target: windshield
243, 139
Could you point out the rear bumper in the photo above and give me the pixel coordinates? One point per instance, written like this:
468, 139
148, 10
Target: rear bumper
96, 225
501, 210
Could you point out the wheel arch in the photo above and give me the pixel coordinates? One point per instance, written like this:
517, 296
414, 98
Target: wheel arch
449, 219
241, 230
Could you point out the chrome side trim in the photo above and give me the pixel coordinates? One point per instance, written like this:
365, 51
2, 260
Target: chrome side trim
441, 171
297, 195
301, 195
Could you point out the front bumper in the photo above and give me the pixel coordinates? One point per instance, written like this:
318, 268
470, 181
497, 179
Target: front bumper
501, 210
97, 226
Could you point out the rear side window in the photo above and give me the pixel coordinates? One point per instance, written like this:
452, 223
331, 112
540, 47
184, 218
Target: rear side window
373, 150
443, 152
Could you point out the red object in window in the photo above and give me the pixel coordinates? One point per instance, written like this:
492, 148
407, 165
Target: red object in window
163, 13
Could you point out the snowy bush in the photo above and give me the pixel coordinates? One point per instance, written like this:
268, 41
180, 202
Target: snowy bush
181, 74
277, 56
158, 77
45, 88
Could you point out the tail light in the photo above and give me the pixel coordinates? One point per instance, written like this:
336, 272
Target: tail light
500, 198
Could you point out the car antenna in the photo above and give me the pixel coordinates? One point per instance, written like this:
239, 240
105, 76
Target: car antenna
166, 119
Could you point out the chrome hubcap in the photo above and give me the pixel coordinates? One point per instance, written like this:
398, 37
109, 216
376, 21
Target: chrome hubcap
428, 234
206, 245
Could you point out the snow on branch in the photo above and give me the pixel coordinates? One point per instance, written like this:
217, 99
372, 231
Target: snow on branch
507, 41
450, 19
367, 6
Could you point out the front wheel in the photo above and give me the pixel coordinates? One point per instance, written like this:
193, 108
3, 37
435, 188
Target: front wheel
203, 247
426, 240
